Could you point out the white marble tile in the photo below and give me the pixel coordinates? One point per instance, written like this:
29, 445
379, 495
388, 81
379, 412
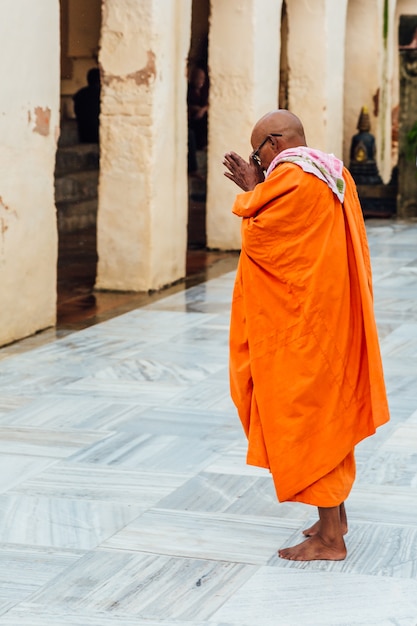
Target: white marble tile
25, 569
303, 598
158, 370
403, 439
383, 266
207, 357
207, 394
145, 326
26, 383
10, 404
178, 421
102, 484
152, 452
388, 468
60, 412
394, 251
145, 393
233, 493
386, 504
39, 617
233, 460
59, 522
48, 443
211, 297
217, 536
16, 468
402, 385
143, 585
399, 346
401, 407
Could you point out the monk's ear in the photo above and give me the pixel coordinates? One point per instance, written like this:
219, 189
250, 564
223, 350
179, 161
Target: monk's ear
275, 143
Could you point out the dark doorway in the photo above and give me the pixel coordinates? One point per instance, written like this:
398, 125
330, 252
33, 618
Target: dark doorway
77, 158
197, 105
283, 62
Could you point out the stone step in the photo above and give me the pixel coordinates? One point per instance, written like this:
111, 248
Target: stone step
73, 216
77, 158
76, 187
68, 133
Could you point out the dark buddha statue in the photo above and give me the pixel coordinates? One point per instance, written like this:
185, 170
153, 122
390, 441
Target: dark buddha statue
362, 164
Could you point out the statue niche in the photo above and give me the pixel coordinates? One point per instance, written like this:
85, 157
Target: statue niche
362, 164
377, 199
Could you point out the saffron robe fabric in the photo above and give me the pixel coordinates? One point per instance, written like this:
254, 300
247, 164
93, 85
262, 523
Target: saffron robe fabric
305, 367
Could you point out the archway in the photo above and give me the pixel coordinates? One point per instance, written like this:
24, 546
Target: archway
283, 61
77, 158
197, 97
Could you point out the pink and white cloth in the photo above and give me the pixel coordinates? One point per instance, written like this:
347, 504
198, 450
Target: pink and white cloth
325, 166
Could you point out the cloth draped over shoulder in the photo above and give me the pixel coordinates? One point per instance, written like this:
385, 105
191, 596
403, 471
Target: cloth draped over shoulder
305, 367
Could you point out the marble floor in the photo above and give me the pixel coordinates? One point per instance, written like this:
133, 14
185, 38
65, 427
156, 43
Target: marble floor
125, 499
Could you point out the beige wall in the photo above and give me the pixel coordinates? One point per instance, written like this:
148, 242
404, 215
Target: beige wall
244, 69
142, 217
316, 61
29, 118
307, 62
335, 24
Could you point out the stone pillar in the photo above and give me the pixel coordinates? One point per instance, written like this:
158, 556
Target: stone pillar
29, 126
244, 44
316, 61
142, 215
407, 170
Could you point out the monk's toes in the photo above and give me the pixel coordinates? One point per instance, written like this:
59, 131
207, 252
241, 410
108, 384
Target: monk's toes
284, 554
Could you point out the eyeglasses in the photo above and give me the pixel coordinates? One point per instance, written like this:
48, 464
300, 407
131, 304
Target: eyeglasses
255, 153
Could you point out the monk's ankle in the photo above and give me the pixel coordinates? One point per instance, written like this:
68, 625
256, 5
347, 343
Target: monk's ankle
332, 540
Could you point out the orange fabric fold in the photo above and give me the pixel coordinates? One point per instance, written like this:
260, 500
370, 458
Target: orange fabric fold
305, 367
333, 488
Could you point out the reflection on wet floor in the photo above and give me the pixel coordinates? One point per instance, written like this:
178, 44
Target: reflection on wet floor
80, 306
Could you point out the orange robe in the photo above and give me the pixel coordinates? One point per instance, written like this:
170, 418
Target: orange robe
305, 367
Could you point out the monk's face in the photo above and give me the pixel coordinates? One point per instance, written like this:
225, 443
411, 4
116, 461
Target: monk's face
275, 132
265, 144
267, 140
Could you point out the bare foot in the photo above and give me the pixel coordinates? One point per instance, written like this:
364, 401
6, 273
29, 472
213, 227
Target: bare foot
315, 549
315, 528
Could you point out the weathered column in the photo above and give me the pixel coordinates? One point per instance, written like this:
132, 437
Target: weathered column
142, 216
316, 61
407, 170
244, 44
29, 123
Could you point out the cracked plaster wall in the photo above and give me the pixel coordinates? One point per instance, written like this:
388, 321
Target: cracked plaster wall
143, 201
29, 120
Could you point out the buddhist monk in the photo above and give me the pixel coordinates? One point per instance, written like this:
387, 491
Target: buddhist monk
305, 366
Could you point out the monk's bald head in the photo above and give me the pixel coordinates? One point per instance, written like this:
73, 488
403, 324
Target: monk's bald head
283, 123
